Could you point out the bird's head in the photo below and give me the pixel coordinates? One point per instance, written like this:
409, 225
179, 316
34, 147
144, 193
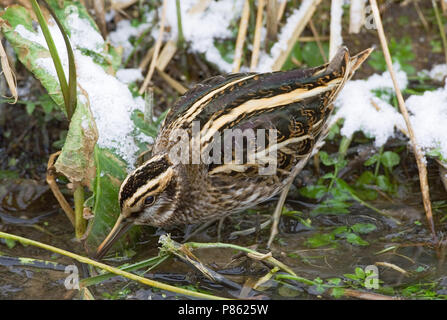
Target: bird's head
148, 196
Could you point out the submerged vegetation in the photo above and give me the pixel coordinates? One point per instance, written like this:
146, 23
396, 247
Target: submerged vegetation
90, 91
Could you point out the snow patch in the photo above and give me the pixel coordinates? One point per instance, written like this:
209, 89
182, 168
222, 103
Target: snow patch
111, 101
364, 111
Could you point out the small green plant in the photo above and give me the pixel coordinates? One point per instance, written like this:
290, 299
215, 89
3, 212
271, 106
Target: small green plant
423, 290
359, 278
297, 215
118, 294
388, 160
308, 54
401, 51
350, 234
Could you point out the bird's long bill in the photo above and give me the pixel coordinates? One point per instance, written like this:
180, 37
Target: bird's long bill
118, 229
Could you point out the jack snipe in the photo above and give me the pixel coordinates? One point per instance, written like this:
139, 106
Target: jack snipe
292, 106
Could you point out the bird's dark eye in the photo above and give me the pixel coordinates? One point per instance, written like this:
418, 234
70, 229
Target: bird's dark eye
149, 200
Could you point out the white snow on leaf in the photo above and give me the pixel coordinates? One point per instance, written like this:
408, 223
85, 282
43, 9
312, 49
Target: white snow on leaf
428, 116
111, 101
129, 75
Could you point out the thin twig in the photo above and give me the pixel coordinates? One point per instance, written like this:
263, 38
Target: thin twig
7, 72
392, 266
180, 38
312, 39
421, 15
281, 9
367, 295
80, 222
251, 230
51, 170
416, 148
277, 213
121, 5
187, 256
441, 27
317, 39
156, 50
254, 253
166, 55
147, 58
257, 36
177, 86
243, 25
272, 21
100, 15
444, 6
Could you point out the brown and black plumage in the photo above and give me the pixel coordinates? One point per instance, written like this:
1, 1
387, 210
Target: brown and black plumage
294, 105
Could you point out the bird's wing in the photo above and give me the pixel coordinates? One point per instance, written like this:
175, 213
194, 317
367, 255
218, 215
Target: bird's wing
292, 106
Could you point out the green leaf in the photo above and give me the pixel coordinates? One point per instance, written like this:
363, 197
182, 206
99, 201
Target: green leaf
296, 53
321, 239
149, 129
366, 178
334, 281
352, 276
313, 191
360, 273
326, 159
366, 194
10, 243
337, 292
340, 230
333, 131
110, 172
331, 206
385, 184
329, 175
401, 51
390, 159
81, 160
67, 94
8, 174
373, 159
30, 107
355, 239
363, 228
311, 54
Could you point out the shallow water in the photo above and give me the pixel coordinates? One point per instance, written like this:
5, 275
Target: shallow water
22, 209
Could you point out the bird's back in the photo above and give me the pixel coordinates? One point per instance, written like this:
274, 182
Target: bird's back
291, 108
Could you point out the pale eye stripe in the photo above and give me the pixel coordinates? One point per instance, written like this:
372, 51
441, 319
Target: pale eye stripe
154, 188
160, 179
197, 107
260, 104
